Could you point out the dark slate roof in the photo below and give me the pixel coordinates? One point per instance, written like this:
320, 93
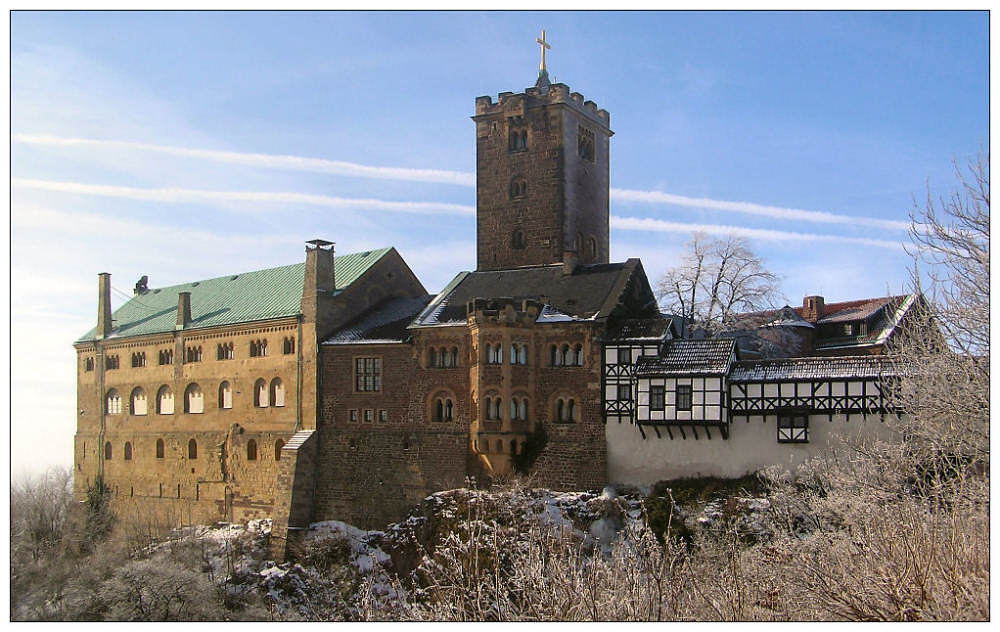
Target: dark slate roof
841, 367
384, 324
234, 298
883, 315
687, 357
591, 292
640, 329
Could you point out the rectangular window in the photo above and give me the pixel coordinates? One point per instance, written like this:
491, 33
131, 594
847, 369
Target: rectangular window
354, 415
368, 374
624, 355
88, 364
683, 397
624, 392
656, 397
369, 415
383, 416
793, 427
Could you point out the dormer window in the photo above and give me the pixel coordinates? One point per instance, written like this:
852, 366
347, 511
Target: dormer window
848, 329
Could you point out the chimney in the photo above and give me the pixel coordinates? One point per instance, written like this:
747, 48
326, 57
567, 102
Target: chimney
183, 309
103, 305
812, 308
319, 283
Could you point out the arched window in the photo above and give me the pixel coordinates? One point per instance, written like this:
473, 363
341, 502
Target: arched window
128, 451
565, 356
517, 240
192, 449
159, 448
454, 356
513, 353
434, 357
113, 403
445, 358
258, 348
107, 451
522, 358
194, 399
165, 401
518, 188
438, 409
288, 345
277, 449
593, 247
553, 356
225, 395
137, 401
514, 409
524, 409
260, 394
251, 450
449, 410
578, 355
277, 392
578, 243
565, 410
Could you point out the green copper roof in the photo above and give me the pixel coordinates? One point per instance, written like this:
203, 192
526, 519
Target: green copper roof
230, 299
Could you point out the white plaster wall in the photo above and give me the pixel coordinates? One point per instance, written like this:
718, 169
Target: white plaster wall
751, 446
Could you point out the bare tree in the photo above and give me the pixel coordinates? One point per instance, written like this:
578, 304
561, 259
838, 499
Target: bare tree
717, 280
945, 388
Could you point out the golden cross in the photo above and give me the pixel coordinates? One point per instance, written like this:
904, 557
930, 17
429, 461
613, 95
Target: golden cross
544, 45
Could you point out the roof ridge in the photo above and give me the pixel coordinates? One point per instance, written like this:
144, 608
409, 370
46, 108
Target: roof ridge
383, 251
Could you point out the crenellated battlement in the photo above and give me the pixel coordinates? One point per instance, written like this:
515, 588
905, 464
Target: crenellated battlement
536, 96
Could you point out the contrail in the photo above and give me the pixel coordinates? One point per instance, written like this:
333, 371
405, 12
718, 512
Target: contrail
749, 208
461, 178
662, 226
196, 195
270, 161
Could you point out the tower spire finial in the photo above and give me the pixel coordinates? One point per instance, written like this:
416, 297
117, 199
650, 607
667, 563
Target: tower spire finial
543, 73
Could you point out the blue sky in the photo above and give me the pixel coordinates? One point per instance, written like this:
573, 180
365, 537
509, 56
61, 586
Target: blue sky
190, 145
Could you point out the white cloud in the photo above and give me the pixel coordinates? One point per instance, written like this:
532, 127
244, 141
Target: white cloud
175, 195
750, 208
662, 226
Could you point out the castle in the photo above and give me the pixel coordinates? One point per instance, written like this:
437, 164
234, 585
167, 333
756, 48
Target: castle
338, 388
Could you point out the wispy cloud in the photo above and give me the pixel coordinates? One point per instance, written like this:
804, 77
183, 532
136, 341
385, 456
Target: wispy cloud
267, 161
663, 226
174, 195
335, 167
750, 208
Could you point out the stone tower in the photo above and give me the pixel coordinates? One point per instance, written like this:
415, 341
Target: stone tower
541, 178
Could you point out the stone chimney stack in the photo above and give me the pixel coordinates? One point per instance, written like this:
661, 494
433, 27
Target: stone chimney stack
812, 308
183, 309
319, 283
103, 305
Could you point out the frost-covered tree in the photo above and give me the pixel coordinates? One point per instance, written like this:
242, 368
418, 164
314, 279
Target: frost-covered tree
717, 280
